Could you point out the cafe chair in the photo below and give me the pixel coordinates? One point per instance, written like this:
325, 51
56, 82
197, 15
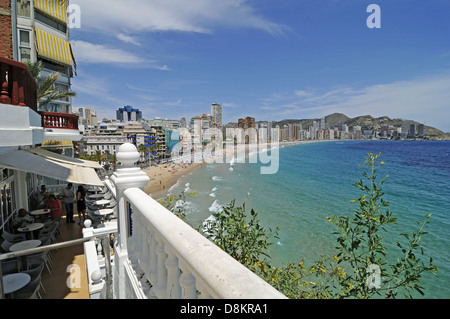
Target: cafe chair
55, 226
13, 238
48, 231
35, 273
5, 246
11, 265
35, 258
30, 291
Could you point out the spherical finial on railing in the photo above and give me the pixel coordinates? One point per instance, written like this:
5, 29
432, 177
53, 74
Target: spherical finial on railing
127, 155
87, 223
96, 277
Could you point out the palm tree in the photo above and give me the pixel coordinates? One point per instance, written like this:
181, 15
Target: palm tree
47, 92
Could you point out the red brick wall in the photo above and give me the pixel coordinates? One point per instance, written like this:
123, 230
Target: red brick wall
6, 42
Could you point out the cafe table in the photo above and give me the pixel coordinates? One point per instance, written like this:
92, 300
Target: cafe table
96, 196
30, 228
14, 282
102, 202
104, 212
40, 213
26, 244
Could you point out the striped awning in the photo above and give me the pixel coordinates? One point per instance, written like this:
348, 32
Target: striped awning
54, 48
54, 8
57, 144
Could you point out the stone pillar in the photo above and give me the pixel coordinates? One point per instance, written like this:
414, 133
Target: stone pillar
128, 176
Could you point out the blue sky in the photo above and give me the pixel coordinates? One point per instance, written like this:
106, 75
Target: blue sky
270, 59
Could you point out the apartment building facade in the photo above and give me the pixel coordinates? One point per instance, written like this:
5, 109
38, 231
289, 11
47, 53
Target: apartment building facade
37, 30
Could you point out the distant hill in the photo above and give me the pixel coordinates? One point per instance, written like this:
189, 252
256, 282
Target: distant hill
367, 122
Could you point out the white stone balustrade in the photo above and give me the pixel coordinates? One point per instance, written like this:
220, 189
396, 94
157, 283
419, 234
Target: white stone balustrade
157, 255
180, 262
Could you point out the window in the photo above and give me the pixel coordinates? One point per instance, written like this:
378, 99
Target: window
51, 107
7, 201
23, 8
24, 45
62, 88
55, 67
50, 22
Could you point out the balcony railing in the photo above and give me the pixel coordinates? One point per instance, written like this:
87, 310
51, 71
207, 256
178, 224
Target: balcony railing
53, 120
178, 262
159, 256
17, 85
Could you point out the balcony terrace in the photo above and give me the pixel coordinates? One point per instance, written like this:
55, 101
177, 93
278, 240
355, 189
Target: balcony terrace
18, 88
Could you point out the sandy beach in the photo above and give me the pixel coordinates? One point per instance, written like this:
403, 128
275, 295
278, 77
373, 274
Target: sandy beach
164, 176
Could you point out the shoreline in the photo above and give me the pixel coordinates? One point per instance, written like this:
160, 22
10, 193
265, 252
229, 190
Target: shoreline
164, 176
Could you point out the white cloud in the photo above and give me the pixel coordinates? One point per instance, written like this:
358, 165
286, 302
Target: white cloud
230, 105
128, 39
201, 16
425, 99
86, 52
96, 53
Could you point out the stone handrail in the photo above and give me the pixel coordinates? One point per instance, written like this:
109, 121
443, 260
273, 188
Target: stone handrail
181, 263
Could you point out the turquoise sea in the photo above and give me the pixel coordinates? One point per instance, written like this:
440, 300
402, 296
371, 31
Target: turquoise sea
315, 181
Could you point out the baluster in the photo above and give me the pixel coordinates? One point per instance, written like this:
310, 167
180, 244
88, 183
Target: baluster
149, 269
173, 276
153, 260
21, 96
4, 95
51, 120
134, 245
143, 244
161, 283
15, 86
187, 283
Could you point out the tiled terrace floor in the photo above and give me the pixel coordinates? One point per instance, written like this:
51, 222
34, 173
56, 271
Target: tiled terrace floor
56, 284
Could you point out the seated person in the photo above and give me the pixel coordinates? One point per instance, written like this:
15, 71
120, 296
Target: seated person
21, 218
55, 207
40, 198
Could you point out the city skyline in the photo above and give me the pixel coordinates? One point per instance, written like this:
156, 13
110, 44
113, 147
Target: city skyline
296, 59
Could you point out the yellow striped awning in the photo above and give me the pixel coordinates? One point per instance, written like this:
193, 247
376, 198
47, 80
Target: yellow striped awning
54, 8
54, 48
57, 144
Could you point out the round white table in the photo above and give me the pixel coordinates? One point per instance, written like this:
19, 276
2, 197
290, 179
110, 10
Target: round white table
102, 202
14, 282
30, 228
40, 212
96, 196
104, 212
26, 244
